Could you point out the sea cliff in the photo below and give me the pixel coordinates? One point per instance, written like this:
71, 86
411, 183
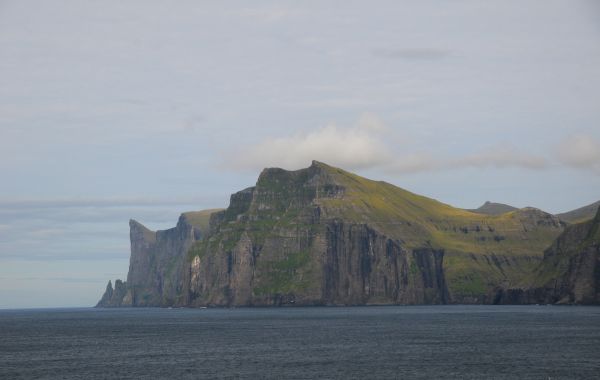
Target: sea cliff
324, 236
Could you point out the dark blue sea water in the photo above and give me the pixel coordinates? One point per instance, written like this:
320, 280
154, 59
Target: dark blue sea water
421, 342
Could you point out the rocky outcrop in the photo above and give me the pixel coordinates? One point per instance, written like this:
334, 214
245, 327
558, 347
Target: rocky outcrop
113, 297
362, 266
569, 272
323, 236
331, 263
155, 269
156, 266
276, 244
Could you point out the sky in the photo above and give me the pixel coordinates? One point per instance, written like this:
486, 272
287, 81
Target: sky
145, 109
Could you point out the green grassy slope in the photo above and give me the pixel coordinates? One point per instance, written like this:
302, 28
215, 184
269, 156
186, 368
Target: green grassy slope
482, 251
200, 219
419, 221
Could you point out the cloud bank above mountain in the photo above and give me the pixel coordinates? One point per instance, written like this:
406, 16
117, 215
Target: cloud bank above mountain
580, 151
368, 145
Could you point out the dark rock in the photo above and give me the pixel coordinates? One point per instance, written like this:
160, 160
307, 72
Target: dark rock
113, 298
323, 236
569, 272
155, 268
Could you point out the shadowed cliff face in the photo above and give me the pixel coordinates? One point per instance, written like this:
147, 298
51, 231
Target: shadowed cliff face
329, 263
156, 265
113, 297
569, 272
363, 266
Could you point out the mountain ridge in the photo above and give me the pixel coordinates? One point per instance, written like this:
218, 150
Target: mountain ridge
493, 208
569, 272
580, 214
322, 235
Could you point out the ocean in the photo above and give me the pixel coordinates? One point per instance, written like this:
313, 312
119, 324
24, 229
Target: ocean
388, 342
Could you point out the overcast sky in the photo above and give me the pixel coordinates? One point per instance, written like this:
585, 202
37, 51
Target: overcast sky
111, 110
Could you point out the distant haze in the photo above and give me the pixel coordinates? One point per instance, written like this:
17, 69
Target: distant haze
144, 109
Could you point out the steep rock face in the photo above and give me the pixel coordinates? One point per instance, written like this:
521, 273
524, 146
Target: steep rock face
156, 266
328, 263
280, 243
155, 269
157, 261
113, 297
362, 266
569, 272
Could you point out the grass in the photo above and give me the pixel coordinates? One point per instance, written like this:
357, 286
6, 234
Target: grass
200, 219
282, 203
418, 220
470, 240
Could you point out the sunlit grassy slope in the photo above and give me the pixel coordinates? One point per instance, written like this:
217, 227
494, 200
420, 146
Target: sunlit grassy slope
200, 219
418, 220
481, 250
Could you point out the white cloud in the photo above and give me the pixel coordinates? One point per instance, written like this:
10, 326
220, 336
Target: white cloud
368, 145
413, 163
496, 157
580, 151
356, 147
501, 157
